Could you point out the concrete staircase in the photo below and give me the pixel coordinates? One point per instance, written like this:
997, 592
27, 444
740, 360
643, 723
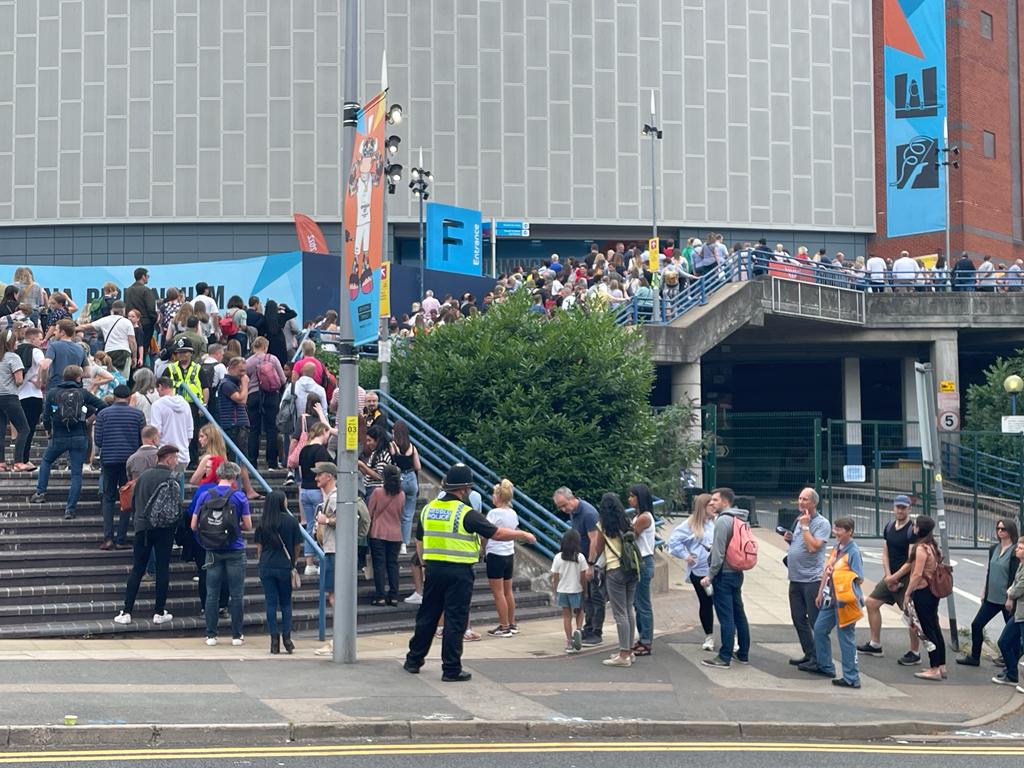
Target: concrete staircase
56, 582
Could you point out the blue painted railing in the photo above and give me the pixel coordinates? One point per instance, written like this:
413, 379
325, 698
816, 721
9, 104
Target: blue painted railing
983, 472
438, 453
255, 475
745, 265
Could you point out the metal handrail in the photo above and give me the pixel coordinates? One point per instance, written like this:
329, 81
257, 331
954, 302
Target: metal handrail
438, 453
310, 540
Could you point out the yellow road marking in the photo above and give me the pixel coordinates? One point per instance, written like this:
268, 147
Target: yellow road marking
392, 749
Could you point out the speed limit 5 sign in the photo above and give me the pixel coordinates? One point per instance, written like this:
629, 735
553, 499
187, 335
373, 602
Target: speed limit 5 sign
949, 421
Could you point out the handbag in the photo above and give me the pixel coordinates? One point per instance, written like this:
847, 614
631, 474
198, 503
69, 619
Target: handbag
125, 493
296, 578
941, 582
300, 443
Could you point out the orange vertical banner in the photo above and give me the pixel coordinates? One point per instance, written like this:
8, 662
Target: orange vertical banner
364, 220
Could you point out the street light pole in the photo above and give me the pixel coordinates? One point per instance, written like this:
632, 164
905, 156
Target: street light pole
423, 257
950, 155
348, 379
420, 186
654, 132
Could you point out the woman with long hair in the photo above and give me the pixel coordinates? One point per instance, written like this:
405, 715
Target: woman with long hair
144, 392
407, 459
215, 453
312, 453
924, 560
385, 505
691, 541
278, 547
179, 322
12, 374
1002, 569
612, 524
274, 319
9, 304
499, 557
30, 292
639, 498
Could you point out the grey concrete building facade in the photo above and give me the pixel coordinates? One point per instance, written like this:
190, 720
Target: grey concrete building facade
192, 117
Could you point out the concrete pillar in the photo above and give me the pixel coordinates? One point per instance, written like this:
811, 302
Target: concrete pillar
913, 433
945, 355
686, 388
851, 409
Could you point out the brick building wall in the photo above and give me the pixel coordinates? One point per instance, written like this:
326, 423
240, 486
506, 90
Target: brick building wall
984, 208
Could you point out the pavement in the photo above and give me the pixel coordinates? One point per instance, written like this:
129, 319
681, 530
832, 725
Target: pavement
177, 690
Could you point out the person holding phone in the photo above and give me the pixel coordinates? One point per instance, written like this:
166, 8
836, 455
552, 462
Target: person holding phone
805, 563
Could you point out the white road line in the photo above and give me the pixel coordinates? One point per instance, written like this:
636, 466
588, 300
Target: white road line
972, 562
967, 595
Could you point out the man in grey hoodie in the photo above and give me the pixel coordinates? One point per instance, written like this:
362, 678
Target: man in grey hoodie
728, 584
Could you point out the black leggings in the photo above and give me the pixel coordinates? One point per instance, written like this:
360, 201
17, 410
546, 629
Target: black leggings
927, 606
33, 409
985, 614
707, 605
11, 413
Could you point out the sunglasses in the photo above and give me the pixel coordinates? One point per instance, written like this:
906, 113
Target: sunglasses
1000, 528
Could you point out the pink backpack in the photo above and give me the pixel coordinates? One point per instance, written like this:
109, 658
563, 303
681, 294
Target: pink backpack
741, 551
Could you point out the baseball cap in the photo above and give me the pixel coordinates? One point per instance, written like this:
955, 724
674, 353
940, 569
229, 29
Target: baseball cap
901, 501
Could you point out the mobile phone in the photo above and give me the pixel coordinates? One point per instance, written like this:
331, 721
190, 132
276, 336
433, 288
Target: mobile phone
781, 530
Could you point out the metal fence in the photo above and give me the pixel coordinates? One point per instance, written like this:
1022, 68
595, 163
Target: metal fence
766, 454
865, 464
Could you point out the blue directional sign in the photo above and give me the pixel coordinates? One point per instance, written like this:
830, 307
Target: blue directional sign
454, 239
512, 228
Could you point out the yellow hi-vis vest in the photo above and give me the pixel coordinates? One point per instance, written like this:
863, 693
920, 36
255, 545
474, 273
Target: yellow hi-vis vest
189, 378
445, 538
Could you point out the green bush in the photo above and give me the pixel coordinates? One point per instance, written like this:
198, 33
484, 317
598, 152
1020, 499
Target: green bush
986, 405
369, 368
544, 402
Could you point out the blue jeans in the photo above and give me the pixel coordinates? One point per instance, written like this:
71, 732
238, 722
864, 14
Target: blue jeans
220, 566
411, 487
1009, 645
77, 448
732, 619
642, 601
309, 498
847, 645
277, 587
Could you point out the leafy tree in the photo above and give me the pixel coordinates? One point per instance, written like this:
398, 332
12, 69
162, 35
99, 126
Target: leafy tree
986, 405
545, 402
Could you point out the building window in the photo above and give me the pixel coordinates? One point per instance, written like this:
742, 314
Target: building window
988, 141
986, 25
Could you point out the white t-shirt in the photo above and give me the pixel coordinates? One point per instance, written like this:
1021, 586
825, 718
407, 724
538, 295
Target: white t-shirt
30, 386
876, 268
569, 581
905, 270
210, 305
503, 517
116, 330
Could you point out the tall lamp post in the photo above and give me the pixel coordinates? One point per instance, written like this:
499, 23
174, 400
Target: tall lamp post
1014, 385
652, 130
392, 175
951, 155
420, 186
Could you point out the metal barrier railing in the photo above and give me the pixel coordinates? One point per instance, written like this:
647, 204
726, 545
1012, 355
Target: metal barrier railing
254, 474
438, 453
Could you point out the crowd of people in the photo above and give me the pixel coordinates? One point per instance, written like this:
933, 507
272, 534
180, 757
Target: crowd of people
622, 277
825, 592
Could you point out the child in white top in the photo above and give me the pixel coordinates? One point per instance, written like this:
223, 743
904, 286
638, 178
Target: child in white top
569, 573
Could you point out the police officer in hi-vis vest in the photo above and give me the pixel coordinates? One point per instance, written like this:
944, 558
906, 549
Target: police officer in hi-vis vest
448, 540
185, 373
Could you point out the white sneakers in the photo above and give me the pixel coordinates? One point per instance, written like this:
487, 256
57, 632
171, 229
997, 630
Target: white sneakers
211, 641
311, 570
414, 599
238, 640
326, 650
123, 618
403, 550
161, 618
618, 661
709, 644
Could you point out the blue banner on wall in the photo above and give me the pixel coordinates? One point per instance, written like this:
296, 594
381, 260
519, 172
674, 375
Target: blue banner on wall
277, 277
454, 239
915, 112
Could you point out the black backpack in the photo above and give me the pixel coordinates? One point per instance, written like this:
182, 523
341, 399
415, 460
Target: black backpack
217, 525
69, 406
163, 508
24, 351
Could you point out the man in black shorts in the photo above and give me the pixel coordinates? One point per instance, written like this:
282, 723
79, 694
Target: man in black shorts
891, 590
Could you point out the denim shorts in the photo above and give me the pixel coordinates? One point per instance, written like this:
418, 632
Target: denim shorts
571, 600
